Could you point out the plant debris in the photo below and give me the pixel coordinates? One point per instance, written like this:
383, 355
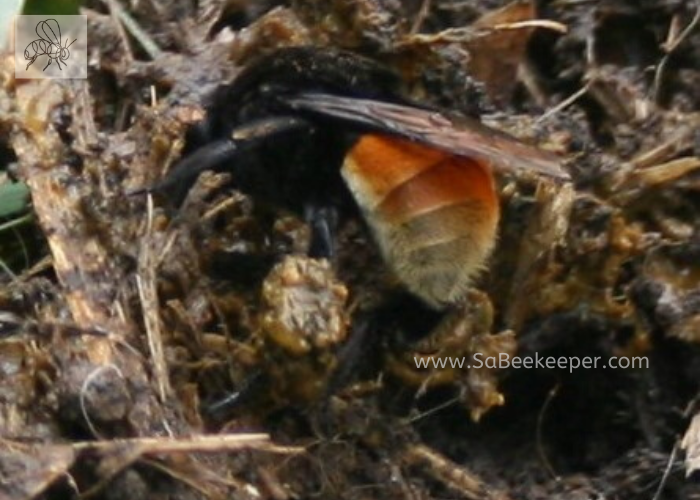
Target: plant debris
190, 353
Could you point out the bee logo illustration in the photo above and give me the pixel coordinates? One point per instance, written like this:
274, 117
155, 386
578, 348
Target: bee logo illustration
48, 44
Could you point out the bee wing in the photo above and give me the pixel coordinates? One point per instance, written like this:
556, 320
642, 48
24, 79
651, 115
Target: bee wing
463, 137
50, 31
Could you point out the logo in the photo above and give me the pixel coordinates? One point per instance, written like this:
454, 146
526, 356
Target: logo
48, 44
51, 47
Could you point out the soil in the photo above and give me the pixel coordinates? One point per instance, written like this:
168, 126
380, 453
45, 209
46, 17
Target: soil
148, 351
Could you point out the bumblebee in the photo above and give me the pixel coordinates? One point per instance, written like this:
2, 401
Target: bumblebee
422, 179
326, 134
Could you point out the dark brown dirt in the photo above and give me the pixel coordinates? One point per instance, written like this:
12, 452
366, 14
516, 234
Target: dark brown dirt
119, 348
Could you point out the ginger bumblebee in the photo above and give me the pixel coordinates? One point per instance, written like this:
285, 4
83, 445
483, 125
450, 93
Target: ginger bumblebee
326, 134
322, 132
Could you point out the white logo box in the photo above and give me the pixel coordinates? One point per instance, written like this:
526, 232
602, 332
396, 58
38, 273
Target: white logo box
51, 46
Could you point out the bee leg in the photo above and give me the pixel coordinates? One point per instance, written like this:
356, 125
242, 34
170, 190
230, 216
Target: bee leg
323, 221
220, 154
362, 345
398, 322
210, 157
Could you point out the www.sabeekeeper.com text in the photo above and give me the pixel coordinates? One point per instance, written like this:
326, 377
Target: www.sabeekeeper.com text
504, 361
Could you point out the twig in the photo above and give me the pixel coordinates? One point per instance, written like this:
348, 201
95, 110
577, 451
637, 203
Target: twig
7, 270
669, 48
539, 432
534, 23
667, 472
148, 295
431, 411
83, 390
452, 475
420, 17
565, 103
114, 8
199, 444
16, 222
151, 48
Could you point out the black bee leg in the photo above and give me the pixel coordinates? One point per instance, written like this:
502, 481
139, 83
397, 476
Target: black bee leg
364, 341
399, 322
210, 157
354, 356
395, 324
323, 221
220, 154
197, 134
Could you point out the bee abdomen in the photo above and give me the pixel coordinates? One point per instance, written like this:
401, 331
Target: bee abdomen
434, 215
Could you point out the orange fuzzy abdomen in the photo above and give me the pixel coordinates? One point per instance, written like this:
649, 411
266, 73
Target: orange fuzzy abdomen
434, 215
